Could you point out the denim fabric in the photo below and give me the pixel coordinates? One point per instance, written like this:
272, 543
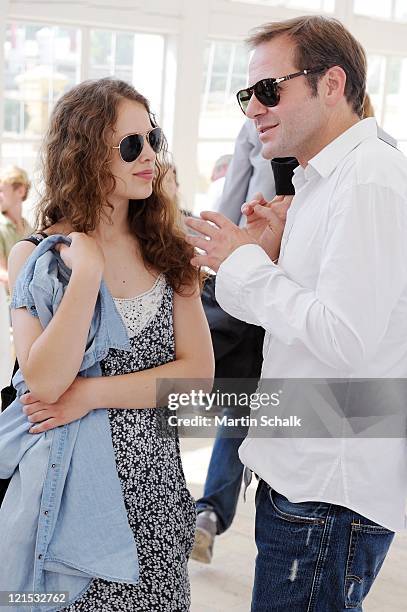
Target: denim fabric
224, 476
312, 556
63, 520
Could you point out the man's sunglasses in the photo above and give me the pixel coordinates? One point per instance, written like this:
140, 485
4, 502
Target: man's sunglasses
132, 145
267, 91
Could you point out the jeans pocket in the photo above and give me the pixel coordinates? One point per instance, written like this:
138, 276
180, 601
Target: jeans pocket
368, 546
304, 513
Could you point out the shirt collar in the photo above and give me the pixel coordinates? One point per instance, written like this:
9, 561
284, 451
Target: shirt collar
5, 220
325, 162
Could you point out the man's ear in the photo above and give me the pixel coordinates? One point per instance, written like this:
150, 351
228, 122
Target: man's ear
334, 82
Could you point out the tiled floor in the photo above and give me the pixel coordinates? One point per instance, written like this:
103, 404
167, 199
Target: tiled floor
225, 585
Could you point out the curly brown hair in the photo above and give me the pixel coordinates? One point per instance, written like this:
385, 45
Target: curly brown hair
78, 180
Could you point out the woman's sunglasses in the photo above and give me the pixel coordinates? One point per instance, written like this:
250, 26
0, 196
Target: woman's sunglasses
267, 91
132, 145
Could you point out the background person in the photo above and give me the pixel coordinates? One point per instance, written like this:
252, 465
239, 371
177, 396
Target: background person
217, 184
170, 184
247, 174
14, 188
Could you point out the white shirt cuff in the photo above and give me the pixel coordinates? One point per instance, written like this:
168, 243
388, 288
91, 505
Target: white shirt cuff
233, 275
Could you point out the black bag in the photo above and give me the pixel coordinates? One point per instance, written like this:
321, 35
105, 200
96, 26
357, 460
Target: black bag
9, 394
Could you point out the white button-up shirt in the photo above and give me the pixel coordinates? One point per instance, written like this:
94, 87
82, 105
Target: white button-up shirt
335, 306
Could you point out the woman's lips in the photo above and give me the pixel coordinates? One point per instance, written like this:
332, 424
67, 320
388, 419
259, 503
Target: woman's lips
147, 175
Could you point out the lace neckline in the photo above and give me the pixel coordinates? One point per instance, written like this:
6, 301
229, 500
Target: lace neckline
139, 311
140, 295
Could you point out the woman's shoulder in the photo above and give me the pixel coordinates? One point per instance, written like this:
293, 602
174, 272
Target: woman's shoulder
22, 250
17, 258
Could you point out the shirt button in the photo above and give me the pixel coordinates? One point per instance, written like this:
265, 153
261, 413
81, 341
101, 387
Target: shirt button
46, 512
39, 556
53, 465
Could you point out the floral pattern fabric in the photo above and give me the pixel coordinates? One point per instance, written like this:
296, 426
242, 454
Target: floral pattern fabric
161, 511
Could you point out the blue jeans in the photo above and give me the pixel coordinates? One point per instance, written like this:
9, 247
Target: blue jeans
312, 556
224, 476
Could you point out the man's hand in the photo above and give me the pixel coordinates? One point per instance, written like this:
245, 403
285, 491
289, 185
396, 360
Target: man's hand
265, 221
219, 239
74, 404
255, 223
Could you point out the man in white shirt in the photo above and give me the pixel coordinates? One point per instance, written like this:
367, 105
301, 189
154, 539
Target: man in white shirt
333, 306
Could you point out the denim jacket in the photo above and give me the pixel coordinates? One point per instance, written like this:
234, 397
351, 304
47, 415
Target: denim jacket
63, 520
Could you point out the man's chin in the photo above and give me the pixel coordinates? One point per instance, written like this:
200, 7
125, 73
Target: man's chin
270, 151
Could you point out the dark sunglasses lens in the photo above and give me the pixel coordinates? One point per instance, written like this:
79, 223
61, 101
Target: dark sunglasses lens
243, 97
266, 92
131, 147
155, 138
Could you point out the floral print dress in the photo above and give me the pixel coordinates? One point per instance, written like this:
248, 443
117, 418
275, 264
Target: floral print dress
160, 509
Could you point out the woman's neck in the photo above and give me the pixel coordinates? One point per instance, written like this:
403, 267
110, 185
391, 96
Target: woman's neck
113, 226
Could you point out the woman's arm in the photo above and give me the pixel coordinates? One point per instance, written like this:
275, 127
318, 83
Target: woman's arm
194, 360
50, 358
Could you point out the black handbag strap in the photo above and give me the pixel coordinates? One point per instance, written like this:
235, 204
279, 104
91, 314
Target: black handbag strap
35, 238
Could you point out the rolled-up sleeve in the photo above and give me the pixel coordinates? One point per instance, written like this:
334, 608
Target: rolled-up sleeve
22, 296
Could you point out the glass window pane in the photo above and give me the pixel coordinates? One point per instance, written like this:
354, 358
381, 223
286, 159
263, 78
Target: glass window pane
400, 10
118, 54
41, 63
101, 54
223, 77
67, 55
375, 82
395, 118
124, 49
373, 8
15, 116
225, 73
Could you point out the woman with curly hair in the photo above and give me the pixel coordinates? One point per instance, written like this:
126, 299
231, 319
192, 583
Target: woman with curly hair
103, 168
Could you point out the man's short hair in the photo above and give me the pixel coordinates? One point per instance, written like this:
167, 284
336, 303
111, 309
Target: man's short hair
17, 177
321, 41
